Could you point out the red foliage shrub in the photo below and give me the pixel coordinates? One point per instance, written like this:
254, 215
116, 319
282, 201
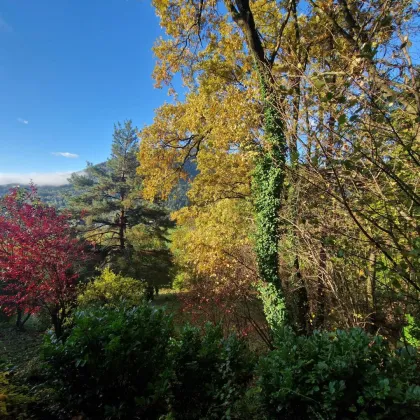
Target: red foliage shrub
38, 254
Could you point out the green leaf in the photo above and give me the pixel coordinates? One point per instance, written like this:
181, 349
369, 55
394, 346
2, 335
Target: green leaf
342, 119
319, 83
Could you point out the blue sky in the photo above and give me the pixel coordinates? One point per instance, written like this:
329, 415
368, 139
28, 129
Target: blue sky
70, 69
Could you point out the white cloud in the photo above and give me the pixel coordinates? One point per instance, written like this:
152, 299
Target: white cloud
22, 121
66, 155
4, 26
38, 178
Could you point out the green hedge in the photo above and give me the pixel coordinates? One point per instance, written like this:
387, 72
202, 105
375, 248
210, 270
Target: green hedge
129, 363
340, 375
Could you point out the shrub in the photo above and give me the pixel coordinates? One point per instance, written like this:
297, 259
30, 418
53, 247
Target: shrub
411, 332
233, 305
111, 289
114, 362
121, 362
13, 400
346, 374
181, 281
210, 373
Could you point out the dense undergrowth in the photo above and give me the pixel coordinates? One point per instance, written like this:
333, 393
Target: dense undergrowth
128, 361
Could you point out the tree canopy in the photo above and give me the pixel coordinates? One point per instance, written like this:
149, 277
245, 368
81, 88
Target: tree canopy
303, 119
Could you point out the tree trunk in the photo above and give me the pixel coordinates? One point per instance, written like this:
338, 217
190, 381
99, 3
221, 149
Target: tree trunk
19, 315
320, 310
302, 299
303, 309
370, 292
20, 319
267, 188
122, 230
269, 173
268, 176
57, 322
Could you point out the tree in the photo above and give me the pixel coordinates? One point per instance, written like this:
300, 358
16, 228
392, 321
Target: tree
129, 231
230, 52
107, 192
268, 175
38, 258
360, 131
317, 105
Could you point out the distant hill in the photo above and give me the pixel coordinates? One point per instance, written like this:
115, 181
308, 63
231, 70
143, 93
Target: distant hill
58, 196
178, 197
52, 195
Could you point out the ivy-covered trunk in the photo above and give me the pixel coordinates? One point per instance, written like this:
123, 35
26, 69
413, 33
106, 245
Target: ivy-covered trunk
267, 187
269, 173
268, 182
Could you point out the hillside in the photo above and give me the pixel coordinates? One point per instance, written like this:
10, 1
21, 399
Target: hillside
51, 195
58, 196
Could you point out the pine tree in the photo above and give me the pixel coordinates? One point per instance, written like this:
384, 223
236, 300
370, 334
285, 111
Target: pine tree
106, 193
130, 233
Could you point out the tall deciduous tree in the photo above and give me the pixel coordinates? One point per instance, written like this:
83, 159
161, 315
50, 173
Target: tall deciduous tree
336, 211
232, 48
